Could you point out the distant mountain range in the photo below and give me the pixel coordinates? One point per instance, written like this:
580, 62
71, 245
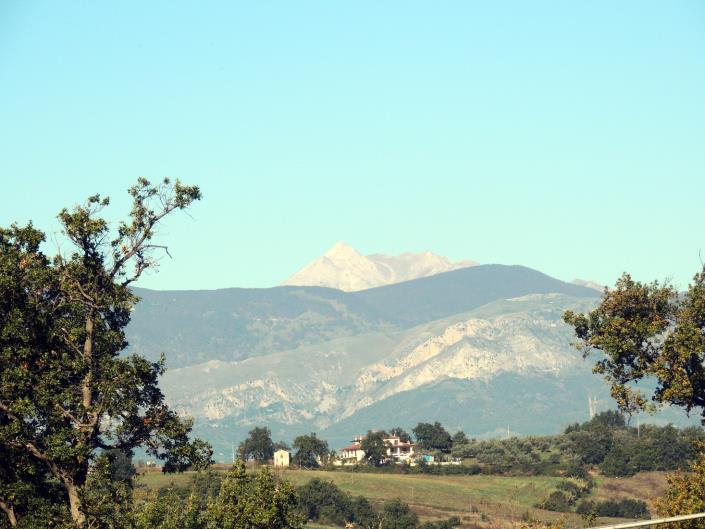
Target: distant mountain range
480, 348
344, 268
194, 326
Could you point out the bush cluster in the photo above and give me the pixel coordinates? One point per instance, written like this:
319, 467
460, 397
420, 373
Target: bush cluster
626, 508
322, 501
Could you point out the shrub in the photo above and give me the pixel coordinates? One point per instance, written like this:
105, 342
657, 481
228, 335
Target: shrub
557, 501
626, 508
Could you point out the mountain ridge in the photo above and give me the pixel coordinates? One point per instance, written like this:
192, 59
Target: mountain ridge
232, 324
344, 268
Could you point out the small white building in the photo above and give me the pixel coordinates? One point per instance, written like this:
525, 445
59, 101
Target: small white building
281, 458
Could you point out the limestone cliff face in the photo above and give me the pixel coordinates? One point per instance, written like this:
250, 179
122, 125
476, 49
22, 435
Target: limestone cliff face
320, 385
344, 268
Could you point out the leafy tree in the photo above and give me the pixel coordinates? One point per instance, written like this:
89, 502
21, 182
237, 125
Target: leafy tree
648, 331
363, 513
375, 448
459, 438
592, 445
281, 445
610, 420
685, 493
253, 502
121, 468
310, 450
321, 500
397, 515
107, 501
29, 497
433, 437
402, 434
65, 391
205, 486
168, 511
258, 445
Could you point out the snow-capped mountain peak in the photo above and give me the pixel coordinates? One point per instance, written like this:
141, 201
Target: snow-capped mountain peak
344, 268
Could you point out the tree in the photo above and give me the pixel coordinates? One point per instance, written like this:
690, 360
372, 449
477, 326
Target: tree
258, 446
65, 391
397, 515
402, 434
364, 514
281, 445
375, 448
593, 440
648, 331
685, 493
168, 511
432, 437
253, 502
310, 450
121, 468
459, 438
616, 463
321, 500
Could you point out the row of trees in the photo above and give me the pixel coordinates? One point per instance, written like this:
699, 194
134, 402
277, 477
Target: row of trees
310, 451
605, 442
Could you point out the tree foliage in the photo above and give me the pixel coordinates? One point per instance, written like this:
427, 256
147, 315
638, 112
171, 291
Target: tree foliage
375, 448
433, 437
253, 502
648, 331
258, 445
65, 391
310, 450
685, 493
402, 434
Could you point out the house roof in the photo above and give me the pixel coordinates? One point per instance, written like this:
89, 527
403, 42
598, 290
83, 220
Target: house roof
354, 446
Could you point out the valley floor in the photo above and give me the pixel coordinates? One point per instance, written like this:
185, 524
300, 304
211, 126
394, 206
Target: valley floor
479, 501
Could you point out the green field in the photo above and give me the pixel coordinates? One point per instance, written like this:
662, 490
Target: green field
487, 501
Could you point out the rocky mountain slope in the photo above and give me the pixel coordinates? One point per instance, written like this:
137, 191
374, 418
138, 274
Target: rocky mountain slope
191, 327
355, 380
344, 268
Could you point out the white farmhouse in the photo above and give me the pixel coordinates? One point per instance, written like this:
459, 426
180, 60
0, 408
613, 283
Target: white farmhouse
397, 451
281, 458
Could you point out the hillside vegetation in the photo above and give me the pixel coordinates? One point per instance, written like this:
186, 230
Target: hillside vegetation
237, 323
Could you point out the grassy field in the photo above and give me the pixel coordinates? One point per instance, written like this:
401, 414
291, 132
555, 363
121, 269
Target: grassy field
479, 501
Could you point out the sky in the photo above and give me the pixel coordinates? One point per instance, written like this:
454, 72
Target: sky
564, 136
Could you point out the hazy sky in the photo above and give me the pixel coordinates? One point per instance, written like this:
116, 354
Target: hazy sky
565, 136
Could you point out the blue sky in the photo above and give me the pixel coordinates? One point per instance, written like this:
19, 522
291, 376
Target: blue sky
565, 136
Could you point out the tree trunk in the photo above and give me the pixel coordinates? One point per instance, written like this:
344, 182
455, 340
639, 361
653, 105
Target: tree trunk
79, 519
87, 390
10, 512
